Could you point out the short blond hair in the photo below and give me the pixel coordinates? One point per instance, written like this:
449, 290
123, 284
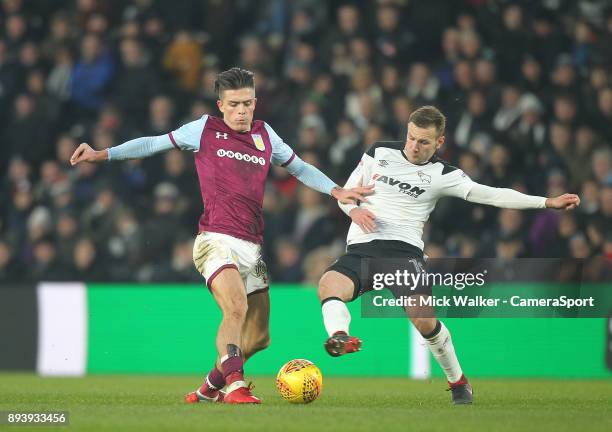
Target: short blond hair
428, 116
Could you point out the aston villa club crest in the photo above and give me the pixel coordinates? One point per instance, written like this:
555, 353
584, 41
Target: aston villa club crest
259, 142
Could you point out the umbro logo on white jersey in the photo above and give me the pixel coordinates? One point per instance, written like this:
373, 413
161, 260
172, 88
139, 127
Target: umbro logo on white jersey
241, 156
221, 135
382, 163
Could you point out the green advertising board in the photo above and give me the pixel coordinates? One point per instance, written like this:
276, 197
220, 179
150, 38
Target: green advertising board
171, 329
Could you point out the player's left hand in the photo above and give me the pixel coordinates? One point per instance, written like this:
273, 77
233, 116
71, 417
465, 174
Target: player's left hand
563, 202
84, 153
351, 196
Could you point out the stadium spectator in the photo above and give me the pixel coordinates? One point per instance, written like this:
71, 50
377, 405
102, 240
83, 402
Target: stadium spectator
511, 41
343, 153
27, 135
66, 233
313, 227
45, 265
183, 58
286, 264
162, 225
422, 87
136, 83
91, 75
122, 249
180, 267
60, 76
85, 265
10, 269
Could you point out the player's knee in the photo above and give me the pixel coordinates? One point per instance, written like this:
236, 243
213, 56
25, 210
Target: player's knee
324, 291
424, 325
327, 288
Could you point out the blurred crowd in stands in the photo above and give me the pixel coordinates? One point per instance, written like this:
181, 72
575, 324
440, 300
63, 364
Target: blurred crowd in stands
526, 87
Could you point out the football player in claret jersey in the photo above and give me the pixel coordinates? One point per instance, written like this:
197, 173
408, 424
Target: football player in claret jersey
232, 157
409, 180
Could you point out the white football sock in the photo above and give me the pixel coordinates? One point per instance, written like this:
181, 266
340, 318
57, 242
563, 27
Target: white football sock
441, 346
336, 316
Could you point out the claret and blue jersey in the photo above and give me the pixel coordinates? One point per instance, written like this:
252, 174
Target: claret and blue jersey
232, 168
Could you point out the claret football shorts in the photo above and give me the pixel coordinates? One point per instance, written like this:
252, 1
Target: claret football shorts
213, 252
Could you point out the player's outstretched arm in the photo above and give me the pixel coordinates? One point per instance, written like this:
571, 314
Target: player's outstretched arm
315, 179
284, 156
133, 149
510, 198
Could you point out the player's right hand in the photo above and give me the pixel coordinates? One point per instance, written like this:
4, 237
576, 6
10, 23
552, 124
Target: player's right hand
364, 218
84, 153
352, 195
563, 202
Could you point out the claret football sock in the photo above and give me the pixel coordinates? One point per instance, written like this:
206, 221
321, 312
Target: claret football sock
236, 391
232, 369
336, 316
441, 345
214, 381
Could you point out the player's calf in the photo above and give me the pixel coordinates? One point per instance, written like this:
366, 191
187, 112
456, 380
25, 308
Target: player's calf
253, 346
334, 290
230, 294
256, 327
441, 346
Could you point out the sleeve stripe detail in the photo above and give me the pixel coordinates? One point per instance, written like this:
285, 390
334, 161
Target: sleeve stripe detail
289, 160
173, 141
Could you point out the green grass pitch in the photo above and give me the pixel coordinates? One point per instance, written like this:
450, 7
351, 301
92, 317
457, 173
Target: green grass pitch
154, 403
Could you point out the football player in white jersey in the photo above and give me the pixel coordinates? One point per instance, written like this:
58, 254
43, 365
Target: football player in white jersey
409, 179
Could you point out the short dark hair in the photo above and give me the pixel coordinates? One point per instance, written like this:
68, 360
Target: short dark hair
428, 116
234, 79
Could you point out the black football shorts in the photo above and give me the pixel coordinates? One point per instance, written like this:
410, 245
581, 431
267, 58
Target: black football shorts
362, 261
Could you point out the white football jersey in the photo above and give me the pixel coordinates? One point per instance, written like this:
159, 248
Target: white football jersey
404, 193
